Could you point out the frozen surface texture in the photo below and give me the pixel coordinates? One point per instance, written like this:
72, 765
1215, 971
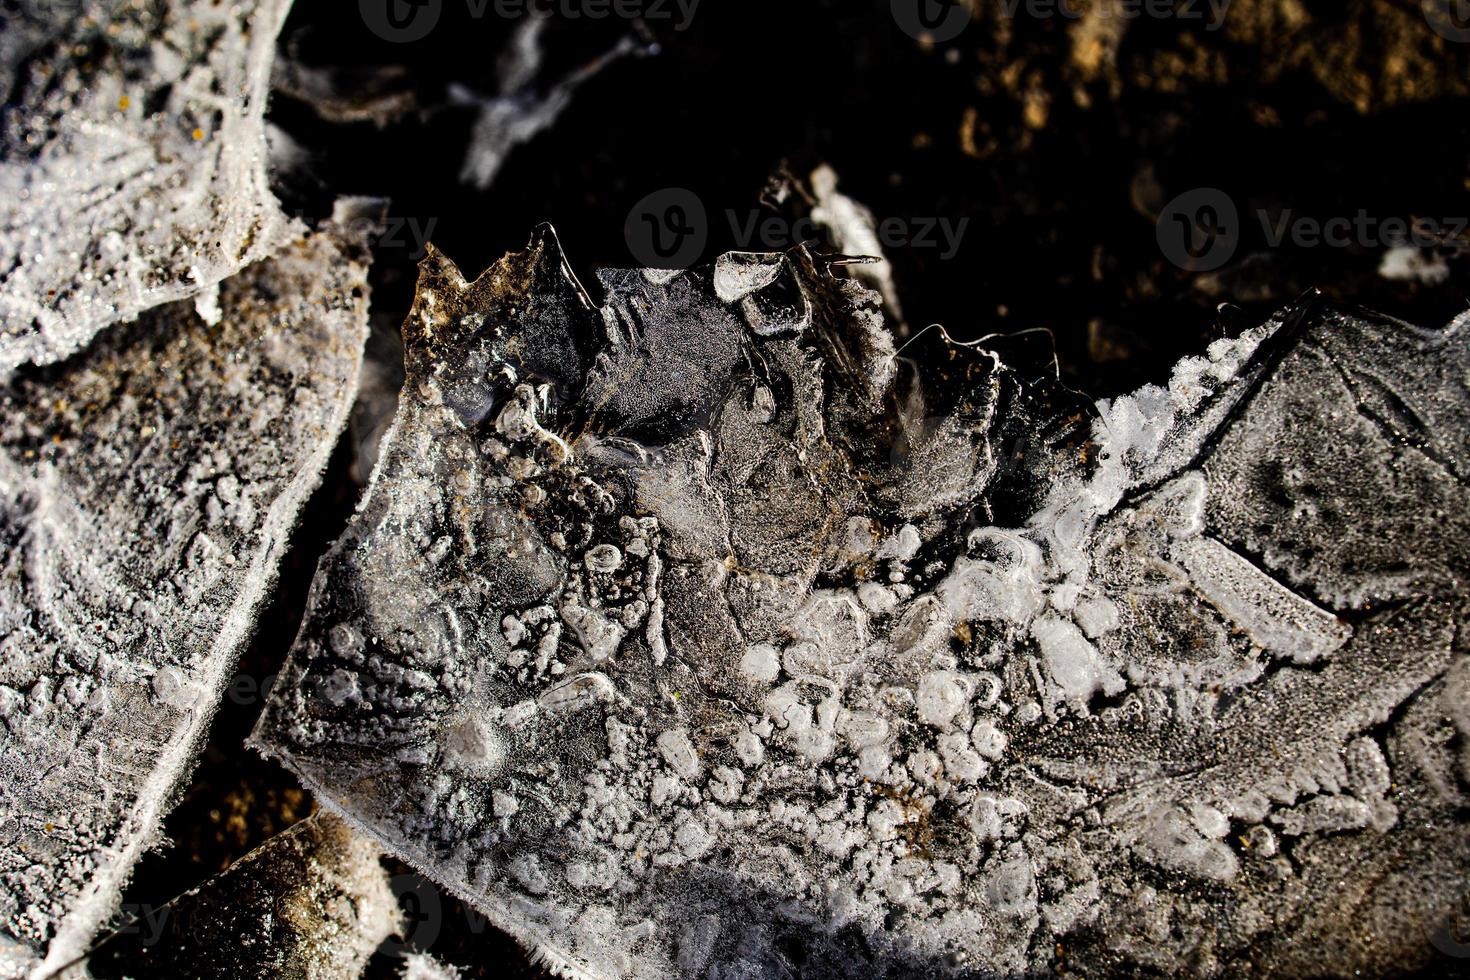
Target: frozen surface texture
134, 163
700, 635
311, 904
147, 491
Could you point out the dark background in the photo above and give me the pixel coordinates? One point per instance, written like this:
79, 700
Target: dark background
1059, 235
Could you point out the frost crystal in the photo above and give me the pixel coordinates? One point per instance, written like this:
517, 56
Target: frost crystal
701, 635
147, 490
134, 163
418, 966
313, 903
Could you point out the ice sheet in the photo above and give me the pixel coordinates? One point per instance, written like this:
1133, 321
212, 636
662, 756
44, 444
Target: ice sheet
148, 488
697, 634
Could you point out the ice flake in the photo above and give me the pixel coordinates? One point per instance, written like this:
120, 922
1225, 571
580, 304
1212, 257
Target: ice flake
421, 966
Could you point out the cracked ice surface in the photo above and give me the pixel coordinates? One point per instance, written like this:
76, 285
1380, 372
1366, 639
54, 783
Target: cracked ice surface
134, 163
149, 486
699, 634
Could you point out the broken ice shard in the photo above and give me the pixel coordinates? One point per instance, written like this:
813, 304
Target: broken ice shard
526, 106
700, 634
312, 903
133, 170
147, 491
848, 224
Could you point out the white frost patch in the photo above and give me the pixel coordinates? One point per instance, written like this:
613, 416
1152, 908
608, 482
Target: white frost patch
1074, 664
942, 695
1407, 263
422, 966
1004, 586
678, 752
1272, 615
1191, 846
761, 662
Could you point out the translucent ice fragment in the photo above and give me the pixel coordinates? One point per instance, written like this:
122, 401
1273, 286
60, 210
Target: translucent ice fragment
523, 109
421, 966
801, 658
738, 274
1274, 616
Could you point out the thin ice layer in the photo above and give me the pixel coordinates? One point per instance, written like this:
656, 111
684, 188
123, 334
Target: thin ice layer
699, 635
134, 164
147, 491
312, 903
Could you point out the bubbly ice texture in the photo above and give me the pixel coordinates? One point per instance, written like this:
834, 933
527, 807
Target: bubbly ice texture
148, 488
312, 903
699, 634
133, 170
